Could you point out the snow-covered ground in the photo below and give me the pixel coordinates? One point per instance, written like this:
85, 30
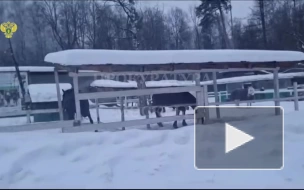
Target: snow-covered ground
134, 158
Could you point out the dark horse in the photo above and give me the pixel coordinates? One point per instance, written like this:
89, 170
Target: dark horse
171, 99
68, 104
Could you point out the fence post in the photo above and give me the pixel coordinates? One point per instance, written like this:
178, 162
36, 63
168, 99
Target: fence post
58, 95
141, 84
28, 116
77, 120
147, 117
296, 98
97, 110
199, 94
276, 90
97, 104
122, 109
199, 99
216, 95
126, 102
206, 102
237, 102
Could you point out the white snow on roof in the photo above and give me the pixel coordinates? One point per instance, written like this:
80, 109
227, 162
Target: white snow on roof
88, 71
113, 84
123, 57
133, 84
168, 83
253, 78
46, 92
35, 69
172, 83
27, 69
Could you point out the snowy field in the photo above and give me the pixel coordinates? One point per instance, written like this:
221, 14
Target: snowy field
134, 158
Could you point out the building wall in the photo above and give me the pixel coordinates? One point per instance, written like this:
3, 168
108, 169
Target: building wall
48, 77
220, 87
283, 83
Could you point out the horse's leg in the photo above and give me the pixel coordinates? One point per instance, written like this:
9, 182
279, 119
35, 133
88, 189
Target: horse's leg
248, 99
164, 109
71, 116
90, 118
158, 115
184, 113
177, 113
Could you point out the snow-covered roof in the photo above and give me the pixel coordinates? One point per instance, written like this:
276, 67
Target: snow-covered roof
124, 57
172, 83
133, 84
34, 69
27, 69
253, 78
113, 84
46, 92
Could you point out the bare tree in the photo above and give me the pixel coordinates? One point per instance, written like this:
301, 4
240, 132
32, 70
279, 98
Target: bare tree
196, 28
154, 34
82, 18
64, 19
262, 16
180, 32
91, 23
133, 19
208, 12
132, 28
19, 14
231, 25
39, 30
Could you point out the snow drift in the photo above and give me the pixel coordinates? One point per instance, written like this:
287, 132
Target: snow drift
133, 159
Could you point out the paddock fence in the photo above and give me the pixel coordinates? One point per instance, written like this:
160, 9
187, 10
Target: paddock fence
202, 100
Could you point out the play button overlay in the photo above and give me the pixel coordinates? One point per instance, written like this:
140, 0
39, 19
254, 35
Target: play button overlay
249, 138
235, 138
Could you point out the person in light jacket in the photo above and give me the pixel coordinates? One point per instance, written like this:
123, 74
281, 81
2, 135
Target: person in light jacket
7, 97
250, 93
1, 99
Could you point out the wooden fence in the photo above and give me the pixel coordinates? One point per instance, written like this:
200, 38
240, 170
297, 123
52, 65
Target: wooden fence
202, 99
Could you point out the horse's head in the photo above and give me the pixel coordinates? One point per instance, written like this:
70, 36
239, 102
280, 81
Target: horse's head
68, 99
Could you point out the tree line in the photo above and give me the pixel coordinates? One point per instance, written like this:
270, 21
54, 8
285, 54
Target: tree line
48, 26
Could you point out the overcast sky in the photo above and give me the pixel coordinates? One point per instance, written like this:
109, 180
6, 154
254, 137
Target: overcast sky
240, 8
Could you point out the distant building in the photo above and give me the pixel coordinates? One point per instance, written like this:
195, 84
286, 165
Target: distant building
33, 75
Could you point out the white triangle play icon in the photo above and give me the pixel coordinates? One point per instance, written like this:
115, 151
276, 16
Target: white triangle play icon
235, 138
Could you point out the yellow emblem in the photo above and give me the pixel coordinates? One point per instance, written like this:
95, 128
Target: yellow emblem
8, 29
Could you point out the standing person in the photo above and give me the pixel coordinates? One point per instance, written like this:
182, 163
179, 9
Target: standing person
7, 97
1, 99
263, 94
15, 97
250, 93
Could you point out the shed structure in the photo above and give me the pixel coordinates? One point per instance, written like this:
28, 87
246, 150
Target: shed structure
41, 79
139, 63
